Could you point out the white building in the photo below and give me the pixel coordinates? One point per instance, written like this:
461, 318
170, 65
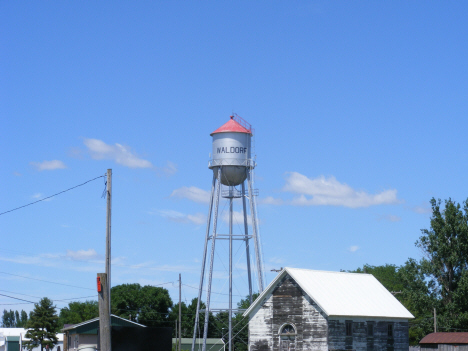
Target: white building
11, 339
303, 309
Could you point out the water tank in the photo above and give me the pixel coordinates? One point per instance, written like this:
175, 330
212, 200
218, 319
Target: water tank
231, 150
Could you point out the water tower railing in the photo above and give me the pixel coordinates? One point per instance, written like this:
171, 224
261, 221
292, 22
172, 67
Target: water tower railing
235, 193
242, 122
232, 162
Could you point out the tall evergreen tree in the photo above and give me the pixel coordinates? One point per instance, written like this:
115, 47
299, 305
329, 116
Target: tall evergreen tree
8, 319
43, 325
24, 319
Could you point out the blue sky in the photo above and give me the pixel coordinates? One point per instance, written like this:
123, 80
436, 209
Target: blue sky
359, 110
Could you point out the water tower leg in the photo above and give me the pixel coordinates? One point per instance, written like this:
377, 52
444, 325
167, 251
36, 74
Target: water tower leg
213, 241
210, 209
230, 273
247, 251
254, 229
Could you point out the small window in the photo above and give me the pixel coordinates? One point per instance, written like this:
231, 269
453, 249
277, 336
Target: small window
349, 328
288, 332
288, 329
390, 330
370, 329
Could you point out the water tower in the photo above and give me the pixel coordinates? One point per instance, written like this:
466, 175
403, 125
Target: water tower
232, 165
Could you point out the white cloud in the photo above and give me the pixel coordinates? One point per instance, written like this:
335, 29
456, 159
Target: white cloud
237, 218
48, 165
276, 260
169, 169
270, 200
179, 217
82, 255
121, 154
55, 259
38, 196
390, 218
422, 209
329, 191
353, 248
192, 193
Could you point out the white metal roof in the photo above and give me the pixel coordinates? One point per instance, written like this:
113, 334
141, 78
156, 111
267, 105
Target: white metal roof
4, 332
73, 326
343, 294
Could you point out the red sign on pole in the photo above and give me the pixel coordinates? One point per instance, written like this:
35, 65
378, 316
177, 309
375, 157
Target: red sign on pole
99, 286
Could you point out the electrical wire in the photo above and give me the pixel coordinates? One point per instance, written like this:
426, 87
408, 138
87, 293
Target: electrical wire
11, 297
45, 281
211, 292
48, 197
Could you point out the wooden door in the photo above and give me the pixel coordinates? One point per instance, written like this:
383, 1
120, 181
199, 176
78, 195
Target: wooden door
288, 343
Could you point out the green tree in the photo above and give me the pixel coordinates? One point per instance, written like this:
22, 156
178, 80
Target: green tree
188, 320
445, 262
43, 325
419, 299
440, 279
147, 305
445, 247
13, 319
8, 319
240, 331
77, 312
24, 319
408, 285
386, 274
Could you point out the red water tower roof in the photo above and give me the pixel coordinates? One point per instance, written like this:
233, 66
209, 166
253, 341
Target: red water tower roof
232, 126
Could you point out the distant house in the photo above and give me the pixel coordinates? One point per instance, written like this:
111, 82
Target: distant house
86, 333
316, 310
211, 344
11, 339
10, 343
444, 342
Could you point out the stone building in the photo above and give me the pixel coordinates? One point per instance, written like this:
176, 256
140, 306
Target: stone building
319, 311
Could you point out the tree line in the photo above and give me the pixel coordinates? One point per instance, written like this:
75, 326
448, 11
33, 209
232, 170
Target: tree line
439, 280
14, 319
147, 305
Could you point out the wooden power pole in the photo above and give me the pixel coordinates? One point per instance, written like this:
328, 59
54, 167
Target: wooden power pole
104, 313
180, 312
108, 235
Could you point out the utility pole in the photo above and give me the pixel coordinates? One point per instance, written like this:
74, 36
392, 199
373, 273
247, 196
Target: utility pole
108, 235
435, 321
104, 315
180, 312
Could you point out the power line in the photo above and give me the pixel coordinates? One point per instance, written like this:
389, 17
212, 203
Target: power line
29, 302
217, 293
13, 292
11, 297
48, 197
46, 281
